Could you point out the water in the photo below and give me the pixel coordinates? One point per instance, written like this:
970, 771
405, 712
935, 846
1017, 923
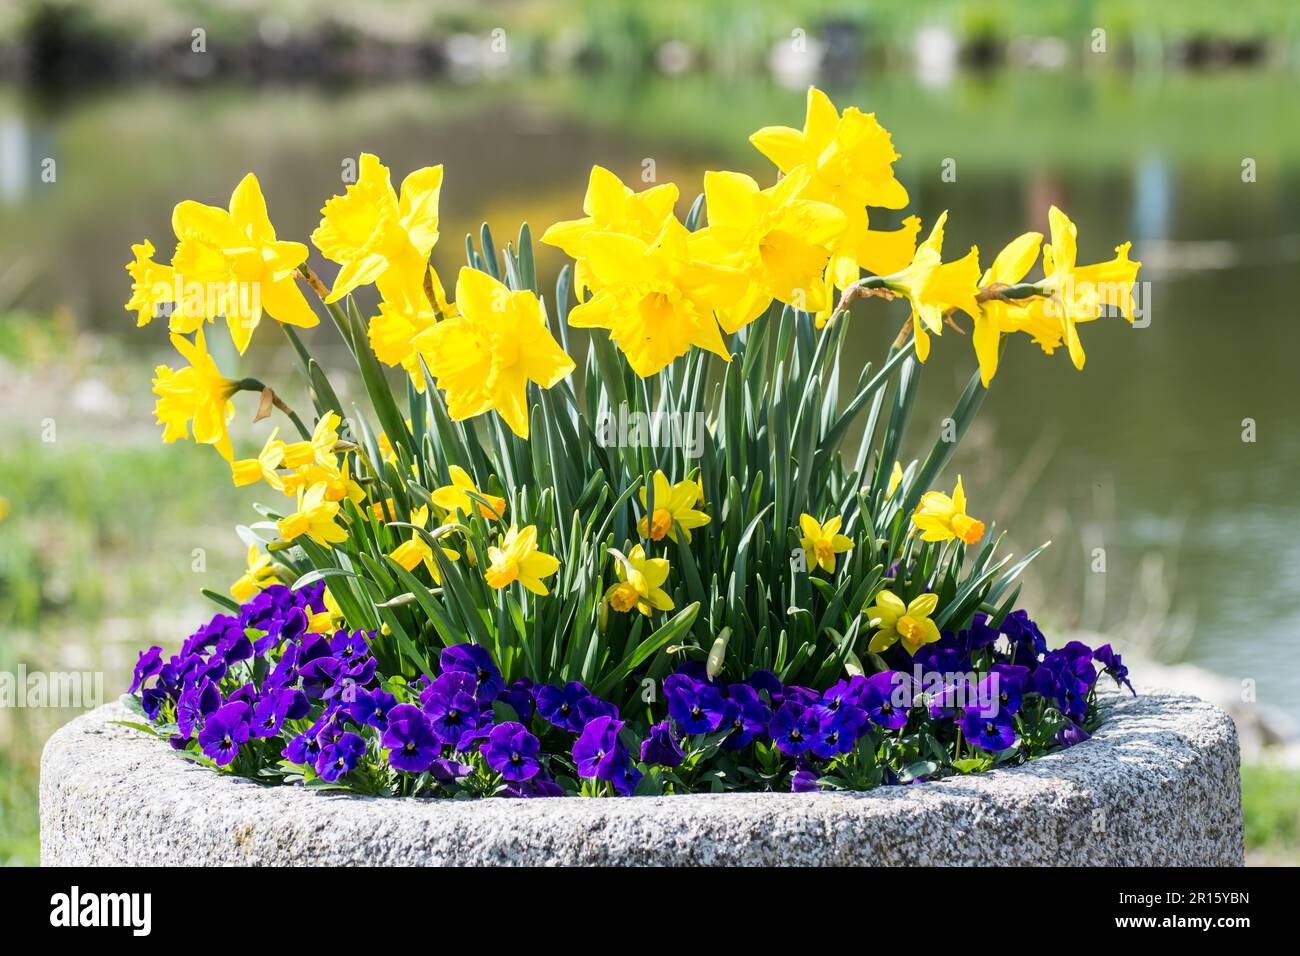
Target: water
1137, 464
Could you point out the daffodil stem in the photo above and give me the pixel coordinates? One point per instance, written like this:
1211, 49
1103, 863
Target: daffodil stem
1000, 290
333, 308
256, 385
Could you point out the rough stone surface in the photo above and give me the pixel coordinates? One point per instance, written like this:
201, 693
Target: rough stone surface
1158, 784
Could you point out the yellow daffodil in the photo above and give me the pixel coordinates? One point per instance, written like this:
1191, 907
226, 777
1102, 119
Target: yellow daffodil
485, 357
197, 394
319, 449
454, 498
821, 542
781, 241
314, 518
412, 552
1079, 292
340, 484
386, 451
995, 317
259, 576
640, 583
611, 207
934, 287
517, 559
895, 621
4, 507
377, 235
942, 518
328, 620
404, 313
152, 284
243, 270
248, 471
895, 479
674, 505
657, 299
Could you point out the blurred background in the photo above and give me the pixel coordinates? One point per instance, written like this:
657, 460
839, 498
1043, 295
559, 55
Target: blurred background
1165, 474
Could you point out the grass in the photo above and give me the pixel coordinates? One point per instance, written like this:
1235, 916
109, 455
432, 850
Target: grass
1271, 803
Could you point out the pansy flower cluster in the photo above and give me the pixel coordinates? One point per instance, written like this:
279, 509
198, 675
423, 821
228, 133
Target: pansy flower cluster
264, 695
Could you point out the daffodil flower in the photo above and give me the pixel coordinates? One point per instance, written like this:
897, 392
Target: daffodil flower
995, 317
455, 497
328, 620
258, 577
405, 312
611, 207
319, 448
409, 554
781, 241
198, 394
657, 299
640, 583
895, 621
821, 542
314, 517
235, 258
377, 235
249, 471
517, 559
484, 358
674, 505
152, 284
934, 287
895, 479
942, 518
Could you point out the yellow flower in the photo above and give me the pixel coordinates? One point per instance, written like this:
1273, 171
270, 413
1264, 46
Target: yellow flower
934, 287
895, 479
248, 471
386, 451
259, 575
994, 317
416, 550
377, 235
896, 621
328, 620
640, 583
319, 449
611, 207
942, 518
485, 357
821, 542
314, 518
1079, 292
517, 559
241, 268
198, 394
781, 241
152, 284
404, 313
657, 299
4, 507
455, 497
674, 505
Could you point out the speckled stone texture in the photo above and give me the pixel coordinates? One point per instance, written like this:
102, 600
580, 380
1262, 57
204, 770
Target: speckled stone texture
1158, 784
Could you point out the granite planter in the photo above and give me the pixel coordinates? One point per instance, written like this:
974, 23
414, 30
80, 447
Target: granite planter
1158, 784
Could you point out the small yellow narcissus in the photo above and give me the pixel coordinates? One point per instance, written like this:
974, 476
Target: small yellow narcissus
942, 518
517, 559
640, 583
821, 542
199, 394
895, 621
455, 497
409, 554
674, 505
314, 518
248, 471
259, 575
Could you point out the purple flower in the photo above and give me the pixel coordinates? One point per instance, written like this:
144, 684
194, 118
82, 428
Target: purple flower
979, 634
747, 715
804, 781
447, 772
599, 753
1027, 641
147, 665
371, 707
285, 671
591, 707
1072, 734
349, 647
835, 733
270, 712
696, 707
303, 749
952, 699
1114, 666
1005, 685
340, 757
559, 705
661, 748
224, 731
151, 701
764, 680
411, 744
793, 725
539, 786
519, 696
512, 751
319, 676
451, 705
991, 728
474, 660
194, 705
1065, 677
887, 699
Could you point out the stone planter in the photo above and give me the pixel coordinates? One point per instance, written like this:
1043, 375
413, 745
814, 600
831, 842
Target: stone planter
1158, 784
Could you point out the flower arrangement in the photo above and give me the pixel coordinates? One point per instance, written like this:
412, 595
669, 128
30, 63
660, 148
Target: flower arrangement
664, 574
